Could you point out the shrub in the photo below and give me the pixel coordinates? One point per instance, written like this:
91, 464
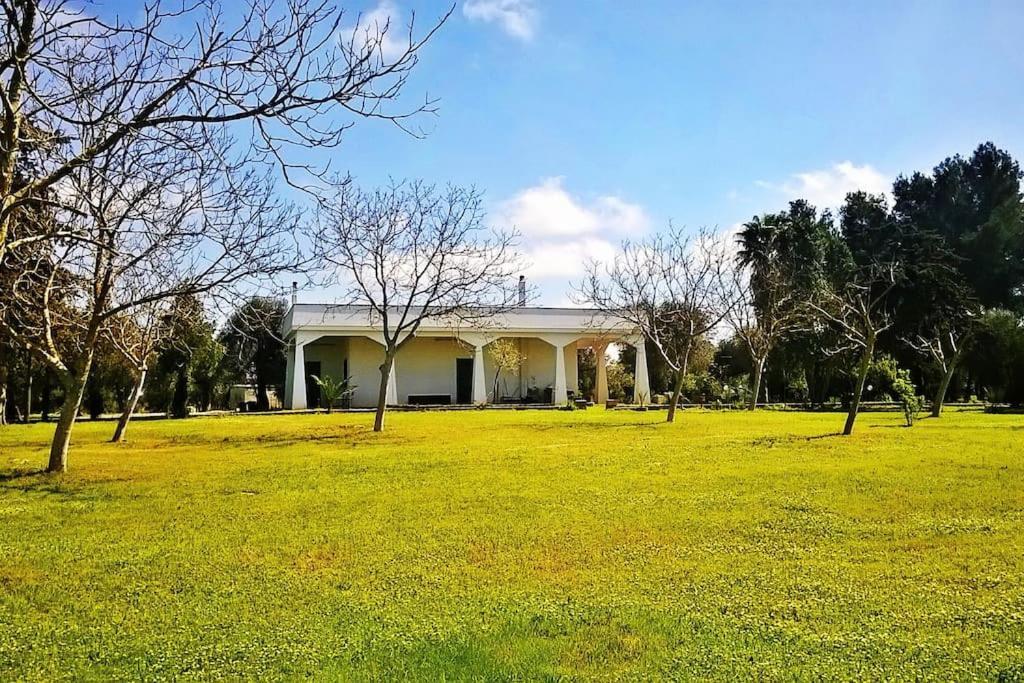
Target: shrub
620, 381
897, 380
332, 390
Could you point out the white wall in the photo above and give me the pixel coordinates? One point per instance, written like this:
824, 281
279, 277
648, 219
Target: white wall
330, 352
423, 366
364, 359
426, 365
539, 366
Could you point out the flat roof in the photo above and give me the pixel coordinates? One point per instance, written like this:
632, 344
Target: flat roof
354, 318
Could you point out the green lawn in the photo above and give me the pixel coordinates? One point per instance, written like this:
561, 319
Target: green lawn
517, 545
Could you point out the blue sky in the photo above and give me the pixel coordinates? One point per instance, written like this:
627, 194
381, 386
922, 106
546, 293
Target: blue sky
587, 122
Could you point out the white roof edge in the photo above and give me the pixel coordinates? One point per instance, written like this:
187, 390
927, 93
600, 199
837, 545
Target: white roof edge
341, 318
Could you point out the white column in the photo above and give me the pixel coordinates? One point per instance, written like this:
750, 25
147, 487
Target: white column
641, 384
601, 382
479, 380
561, 393
299, 377
392, 394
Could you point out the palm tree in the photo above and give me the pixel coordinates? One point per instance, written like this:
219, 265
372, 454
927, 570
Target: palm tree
332, 390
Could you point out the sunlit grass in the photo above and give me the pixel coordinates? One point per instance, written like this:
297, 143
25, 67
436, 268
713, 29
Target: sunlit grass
517, 545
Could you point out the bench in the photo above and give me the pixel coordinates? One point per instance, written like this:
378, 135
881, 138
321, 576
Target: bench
429, 399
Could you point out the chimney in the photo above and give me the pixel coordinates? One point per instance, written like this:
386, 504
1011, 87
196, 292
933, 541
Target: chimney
522, 290
295, 293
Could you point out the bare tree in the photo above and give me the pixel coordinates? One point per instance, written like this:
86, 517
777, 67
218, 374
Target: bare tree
669, 287
761, 317
22, 270
136, 335
945, 347
411, 251
507, 357
150, 223
858, 310
288, 74
134, 128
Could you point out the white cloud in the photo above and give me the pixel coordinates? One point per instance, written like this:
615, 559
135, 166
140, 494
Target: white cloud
518, 18
827, 188
566, 259
548, 210
561, 232
384, 23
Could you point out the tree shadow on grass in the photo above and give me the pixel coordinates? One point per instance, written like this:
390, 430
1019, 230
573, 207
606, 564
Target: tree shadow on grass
42, 484
39, 481
595, 426
785, 439
21, 474
816, 437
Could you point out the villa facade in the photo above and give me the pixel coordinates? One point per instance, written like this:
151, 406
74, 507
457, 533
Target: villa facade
446, 362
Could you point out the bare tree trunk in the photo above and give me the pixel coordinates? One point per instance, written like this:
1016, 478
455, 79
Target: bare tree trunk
3, 386
74, 390
755, 389
129, 408
677, 393
862, 376
940, 395
28, 388
382, 395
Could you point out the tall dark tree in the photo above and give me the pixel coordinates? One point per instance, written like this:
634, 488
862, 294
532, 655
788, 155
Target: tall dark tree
25, 271
855, 299
798, 247
997, 359
795, 244
975, 205
963, 231
253, 348
183, 355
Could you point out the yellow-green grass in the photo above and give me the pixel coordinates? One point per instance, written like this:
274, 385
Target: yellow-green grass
517, 545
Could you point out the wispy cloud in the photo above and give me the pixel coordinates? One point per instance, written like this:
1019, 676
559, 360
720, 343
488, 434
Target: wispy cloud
561, 232
827, 188
383, 23
518, 18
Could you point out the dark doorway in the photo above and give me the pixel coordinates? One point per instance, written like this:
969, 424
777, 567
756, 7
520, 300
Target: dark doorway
463, 380
312, 388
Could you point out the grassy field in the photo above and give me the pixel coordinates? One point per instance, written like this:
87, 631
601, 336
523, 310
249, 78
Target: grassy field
517, 545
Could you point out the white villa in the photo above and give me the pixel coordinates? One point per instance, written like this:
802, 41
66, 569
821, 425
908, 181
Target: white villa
447, 363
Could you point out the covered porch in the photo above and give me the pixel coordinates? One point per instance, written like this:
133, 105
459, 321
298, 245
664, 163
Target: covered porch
435, 368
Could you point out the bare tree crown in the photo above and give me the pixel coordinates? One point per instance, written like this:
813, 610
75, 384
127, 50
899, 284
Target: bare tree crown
293, 72
668, 286
412, 250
